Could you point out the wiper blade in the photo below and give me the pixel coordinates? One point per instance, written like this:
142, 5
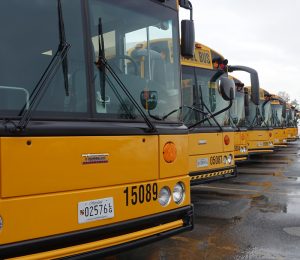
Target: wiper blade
47, 76
193, 108
102, 65
212, 116
62, 44
101, 68
104, 62
234, 124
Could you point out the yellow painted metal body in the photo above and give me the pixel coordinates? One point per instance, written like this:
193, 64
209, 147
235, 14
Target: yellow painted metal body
260, 141
208, 146
291, 133
280, 136
43, 181
241, 145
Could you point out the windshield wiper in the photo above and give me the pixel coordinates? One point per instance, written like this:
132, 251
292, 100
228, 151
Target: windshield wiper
212, 116
103, 75
193, 108
101, 68
103, 65
234, 124
60, 57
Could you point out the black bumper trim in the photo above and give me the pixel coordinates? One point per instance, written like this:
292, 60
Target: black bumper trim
94, 234
214, 178
241, 156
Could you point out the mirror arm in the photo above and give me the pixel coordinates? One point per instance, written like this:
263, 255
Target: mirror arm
213, 116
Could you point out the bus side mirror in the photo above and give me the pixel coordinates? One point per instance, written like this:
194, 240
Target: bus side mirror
254, 87
187, 38
187, 31
227, 88
253, 78
149, 99
284, 110
246, 101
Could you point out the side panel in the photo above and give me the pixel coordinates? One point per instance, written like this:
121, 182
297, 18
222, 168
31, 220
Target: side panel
280, 137
180, 165
228, 147
41, 165
57, 213
203, 163
205, 143
241, 143
260, 139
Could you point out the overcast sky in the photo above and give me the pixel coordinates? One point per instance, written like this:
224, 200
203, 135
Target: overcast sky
262, 34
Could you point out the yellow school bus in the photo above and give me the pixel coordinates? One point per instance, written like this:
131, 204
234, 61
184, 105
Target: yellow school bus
291, 123
238, 111
89, 163
259, 126
278, 121
206, 113
238, 119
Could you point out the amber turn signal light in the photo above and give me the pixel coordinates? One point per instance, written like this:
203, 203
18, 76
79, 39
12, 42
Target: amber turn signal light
169, 152
226, 140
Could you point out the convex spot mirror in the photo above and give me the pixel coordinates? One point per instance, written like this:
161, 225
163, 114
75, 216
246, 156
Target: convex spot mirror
149, 99
227, 88
187, 38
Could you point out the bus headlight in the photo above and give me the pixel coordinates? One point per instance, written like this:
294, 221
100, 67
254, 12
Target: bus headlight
225, 159
242, 149
229, 159
245, 149
178, 192
1, 223
164, 196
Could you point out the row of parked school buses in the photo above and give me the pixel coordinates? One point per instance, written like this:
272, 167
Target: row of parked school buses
226, 130
103, 127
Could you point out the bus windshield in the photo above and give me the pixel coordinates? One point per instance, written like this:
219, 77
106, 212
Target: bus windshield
206, 96
277, 114
266, 112
237, 111
30, 39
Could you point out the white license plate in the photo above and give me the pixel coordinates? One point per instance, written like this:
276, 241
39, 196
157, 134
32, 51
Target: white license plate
203, 162
92, 210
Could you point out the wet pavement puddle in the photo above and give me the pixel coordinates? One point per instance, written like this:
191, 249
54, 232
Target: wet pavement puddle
293, 231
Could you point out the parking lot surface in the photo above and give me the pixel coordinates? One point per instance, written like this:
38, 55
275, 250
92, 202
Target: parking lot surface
253, 216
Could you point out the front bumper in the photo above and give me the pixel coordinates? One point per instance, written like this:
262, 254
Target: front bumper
260, 151
213, 175
102, 241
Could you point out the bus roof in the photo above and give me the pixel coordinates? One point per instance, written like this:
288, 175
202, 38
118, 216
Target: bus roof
204, 57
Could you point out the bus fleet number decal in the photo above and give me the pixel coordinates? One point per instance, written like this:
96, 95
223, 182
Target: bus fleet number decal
141, 194
204, 57
216, 159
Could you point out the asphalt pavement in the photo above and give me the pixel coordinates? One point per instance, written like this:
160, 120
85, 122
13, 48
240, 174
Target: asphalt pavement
253, 216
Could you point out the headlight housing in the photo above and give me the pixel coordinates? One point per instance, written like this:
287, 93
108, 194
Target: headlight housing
225, 159
229, 159
178, 193
164, 196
